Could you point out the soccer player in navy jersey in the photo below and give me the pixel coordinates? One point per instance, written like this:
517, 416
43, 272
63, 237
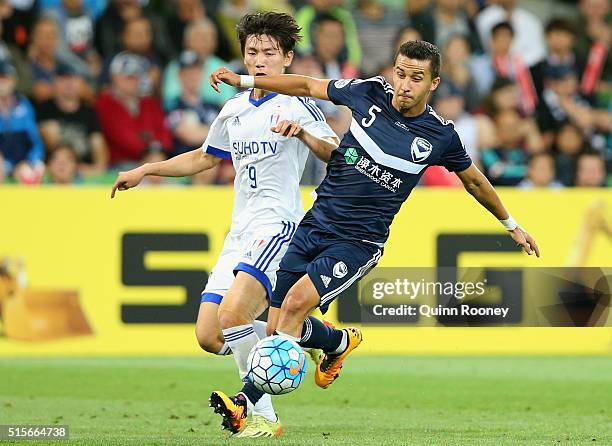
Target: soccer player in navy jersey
394, 136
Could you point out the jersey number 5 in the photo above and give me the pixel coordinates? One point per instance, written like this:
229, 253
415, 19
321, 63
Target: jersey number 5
369, 122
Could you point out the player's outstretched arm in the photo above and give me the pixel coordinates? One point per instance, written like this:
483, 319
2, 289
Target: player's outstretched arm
289, 84
479, 187
321, 147
183, 165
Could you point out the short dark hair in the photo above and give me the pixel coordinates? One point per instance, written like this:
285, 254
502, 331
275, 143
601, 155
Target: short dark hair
560, 24
280, 26
421, 50
501, 26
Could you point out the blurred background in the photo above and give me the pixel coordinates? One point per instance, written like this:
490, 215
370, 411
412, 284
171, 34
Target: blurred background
91, 87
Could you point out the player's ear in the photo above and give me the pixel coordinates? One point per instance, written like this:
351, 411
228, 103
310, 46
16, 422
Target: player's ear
288, 59
434, 83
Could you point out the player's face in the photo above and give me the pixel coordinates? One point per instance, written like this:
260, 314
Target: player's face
263, 55
413, 83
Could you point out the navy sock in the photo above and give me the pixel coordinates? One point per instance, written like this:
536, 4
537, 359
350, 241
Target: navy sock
252, 392
315, 334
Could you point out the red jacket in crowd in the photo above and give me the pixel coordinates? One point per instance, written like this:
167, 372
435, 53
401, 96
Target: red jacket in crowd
128, 136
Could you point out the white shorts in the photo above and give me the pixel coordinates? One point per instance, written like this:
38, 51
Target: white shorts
256, 252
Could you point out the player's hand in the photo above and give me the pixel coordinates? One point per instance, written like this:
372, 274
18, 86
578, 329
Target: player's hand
127, 180
224, 75
288, 129
525, 241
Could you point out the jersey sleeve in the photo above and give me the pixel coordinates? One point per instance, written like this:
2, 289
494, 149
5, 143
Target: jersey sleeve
217, 142
455, 158
341, 91
312, 119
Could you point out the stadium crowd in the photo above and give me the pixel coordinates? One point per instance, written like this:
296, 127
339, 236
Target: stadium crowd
90, 87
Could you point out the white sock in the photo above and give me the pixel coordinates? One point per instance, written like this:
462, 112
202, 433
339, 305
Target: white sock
241, 340
225, 350
260, 328
265, 409
343, 344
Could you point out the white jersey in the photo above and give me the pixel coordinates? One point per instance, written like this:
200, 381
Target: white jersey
268, 166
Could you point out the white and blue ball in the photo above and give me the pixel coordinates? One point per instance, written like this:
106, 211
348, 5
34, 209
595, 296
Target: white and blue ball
277, 365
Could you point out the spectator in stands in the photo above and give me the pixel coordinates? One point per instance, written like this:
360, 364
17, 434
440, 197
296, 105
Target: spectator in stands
44, 55
560, 38
133, 126
540, 172
504, 95
110, 26
569, 142
477, 132
446, 18
17, 22
189, 118
593, 46
200, 37
13, 54
506, 163
562, 102
77, 22
65, 119
62, 166
405, 34
378, 24
137, 38
21, 149
308, 16
456, 68
529, 42
228, 15
187, 11
502, 63
328, 41
590, 170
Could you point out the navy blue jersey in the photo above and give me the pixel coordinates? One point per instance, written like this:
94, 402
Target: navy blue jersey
380, 160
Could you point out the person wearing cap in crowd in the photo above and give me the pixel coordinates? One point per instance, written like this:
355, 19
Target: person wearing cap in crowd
189, 117
133, 126
21, 149
67, 119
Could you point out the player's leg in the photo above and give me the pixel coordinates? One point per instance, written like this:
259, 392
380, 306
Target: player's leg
208, 330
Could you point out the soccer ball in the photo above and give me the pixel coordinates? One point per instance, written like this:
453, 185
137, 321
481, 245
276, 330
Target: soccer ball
277, 365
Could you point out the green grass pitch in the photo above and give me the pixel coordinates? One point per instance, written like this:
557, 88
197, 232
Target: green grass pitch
377, 401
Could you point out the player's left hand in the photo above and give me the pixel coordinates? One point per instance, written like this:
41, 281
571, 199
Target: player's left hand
288, 128
224, 75
525, 241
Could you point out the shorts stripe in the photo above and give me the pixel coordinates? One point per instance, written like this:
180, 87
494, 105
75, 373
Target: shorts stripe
271, 244
333, 293
273, 248
287, 238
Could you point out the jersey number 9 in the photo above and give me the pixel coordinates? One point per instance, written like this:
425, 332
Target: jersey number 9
253, 177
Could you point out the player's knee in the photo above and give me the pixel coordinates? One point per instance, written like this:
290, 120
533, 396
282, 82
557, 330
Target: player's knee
299, 303
229, 318
208, 341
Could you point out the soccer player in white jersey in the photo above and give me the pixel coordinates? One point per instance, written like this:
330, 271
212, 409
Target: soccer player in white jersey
267, 136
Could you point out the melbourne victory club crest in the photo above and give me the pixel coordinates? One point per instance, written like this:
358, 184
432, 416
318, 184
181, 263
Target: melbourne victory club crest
340, 270
421, 148
350, 155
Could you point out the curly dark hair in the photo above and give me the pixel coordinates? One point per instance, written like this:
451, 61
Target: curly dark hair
278, 25
422, 50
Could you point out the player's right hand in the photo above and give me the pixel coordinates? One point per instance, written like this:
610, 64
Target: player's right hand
127, 180
224, 75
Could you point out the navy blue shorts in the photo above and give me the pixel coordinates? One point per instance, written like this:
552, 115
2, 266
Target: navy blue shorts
332, 263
